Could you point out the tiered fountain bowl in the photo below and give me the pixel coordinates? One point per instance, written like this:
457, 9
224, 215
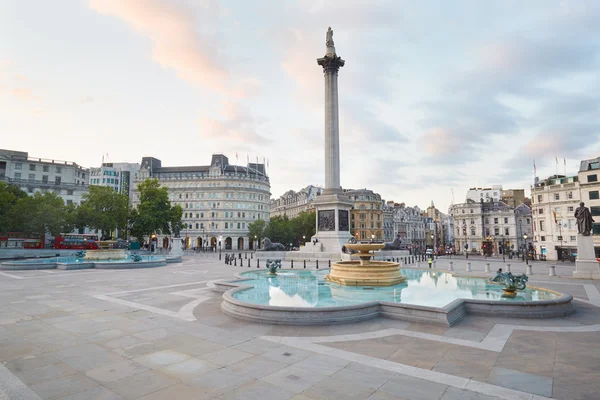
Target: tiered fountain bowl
365, 272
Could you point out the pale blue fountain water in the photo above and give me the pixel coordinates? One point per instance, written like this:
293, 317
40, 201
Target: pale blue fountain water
426, 288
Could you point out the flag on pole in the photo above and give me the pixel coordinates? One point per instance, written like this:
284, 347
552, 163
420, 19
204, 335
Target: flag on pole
555, 220
534, 169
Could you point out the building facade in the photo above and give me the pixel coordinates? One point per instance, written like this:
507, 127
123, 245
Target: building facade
292, 203
513, 197
366, 216
219, 200
118, 176
554, 202
484, 227
387, 209
409, 224
65, 178
493, 193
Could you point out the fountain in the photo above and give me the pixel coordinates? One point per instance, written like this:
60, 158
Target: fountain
365, 272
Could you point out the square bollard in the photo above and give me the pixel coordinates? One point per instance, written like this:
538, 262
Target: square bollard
552, 271
508, 268
487, 267
451, 266
529, 270
468, 269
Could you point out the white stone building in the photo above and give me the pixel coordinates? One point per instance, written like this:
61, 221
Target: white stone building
487, 194
388, 221
410, 225
482, 227
118, 176
292, 203
554, 202
65, 178
219, 200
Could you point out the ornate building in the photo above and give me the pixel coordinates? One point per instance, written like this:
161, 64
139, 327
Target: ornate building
366, 216
292, 203
219, 200
410, 225
388, 221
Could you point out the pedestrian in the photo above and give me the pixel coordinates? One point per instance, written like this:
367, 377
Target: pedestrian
430, 261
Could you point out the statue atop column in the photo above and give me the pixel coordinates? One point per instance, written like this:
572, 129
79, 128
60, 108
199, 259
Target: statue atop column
584, 219
329, 42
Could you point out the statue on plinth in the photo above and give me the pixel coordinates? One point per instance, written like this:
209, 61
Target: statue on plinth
584, 219
176, 229
329, 42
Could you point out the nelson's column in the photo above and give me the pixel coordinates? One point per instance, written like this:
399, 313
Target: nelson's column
333, 207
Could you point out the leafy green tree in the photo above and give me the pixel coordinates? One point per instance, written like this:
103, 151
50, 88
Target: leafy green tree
103, 208
40, 214
154, 213
9, 196
303, 226
280, 230
256, 230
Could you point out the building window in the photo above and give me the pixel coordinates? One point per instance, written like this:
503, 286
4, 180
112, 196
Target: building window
556, 196
570, 208
58, 170
46, 169
495, 220
594, 195
570, 195
487, 231
528, 221
487, 221
31, 177
541, 211
496, 231
17, 175
505, 220
572, 238
32, 167
506, 232
540, 198
471, 211
595, 211
69, 202
472, 222
592, 178
70, 192
19, 166
472, 232
542, 226
226, 225
45, 179
543, 238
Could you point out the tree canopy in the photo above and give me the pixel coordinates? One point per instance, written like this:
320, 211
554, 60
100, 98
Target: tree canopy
284, 230
155, 214
103, 208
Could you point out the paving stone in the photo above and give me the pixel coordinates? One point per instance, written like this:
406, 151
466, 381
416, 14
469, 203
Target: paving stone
200, 347
114, 372
139, 385
161, 358
56, 388
257, 366
521, 381
216, 383
137, 350
294, 379
226, 356
257, 390
179, 391
45, 372
189, 368
96, 393
413, 388
87, 356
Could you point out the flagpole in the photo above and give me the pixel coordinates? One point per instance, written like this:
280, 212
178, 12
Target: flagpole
565, 160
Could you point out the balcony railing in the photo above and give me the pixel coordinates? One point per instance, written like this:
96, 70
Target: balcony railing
28, 182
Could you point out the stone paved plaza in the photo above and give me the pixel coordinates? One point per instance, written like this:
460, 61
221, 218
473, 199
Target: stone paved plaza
160, 334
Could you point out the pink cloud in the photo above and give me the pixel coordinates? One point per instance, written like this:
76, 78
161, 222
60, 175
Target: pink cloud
176, 43
23, 93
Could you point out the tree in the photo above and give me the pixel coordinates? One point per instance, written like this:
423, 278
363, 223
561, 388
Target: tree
41, 214
103, 208
9, 196
303, 226
256, 230
280, 230
154, 213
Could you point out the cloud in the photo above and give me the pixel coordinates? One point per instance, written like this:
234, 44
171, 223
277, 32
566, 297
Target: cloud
237, 126
176, 42
23, 93
86, 100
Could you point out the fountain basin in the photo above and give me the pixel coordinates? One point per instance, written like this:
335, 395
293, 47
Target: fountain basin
71, 263
105, 254
306, 298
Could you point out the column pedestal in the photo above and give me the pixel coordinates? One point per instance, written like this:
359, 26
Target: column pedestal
333, 224
586, 265
176, 247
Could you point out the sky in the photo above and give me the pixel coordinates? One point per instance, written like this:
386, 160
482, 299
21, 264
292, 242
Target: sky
435, 96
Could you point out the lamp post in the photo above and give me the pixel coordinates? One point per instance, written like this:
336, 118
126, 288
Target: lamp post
220, 239
525, 255
304, 239
503, 250
256, 241
432, 244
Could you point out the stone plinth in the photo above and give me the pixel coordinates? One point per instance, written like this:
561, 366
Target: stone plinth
106, 254
586, 265
176, 247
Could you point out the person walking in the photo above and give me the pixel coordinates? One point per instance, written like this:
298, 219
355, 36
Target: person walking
430, 261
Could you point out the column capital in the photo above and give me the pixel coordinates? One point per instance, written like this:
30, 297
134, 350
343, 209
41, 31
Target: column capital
331, 63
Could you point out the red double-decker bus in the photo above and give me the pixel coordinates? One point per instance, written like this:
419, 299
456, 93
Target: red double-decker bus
19, 240
76, 241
